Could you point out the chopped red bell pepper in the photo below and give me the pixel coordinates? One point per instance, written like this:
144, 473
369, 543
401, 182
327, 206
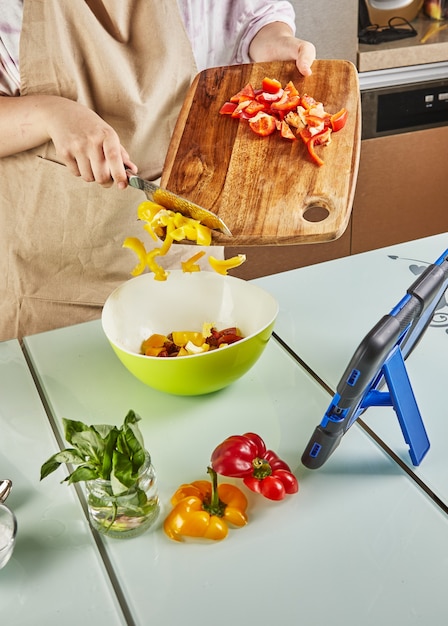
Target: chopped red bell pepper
273, 107
253, 108
246, 93
286, 103
271, 85
262, 471
263, 124
308, 101
286, 132
228, 108
241, 107
310, 145
291, 89
338, 120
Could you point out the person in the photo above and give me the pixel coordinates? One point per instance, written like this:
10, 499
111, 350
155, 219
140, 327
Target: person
88, 89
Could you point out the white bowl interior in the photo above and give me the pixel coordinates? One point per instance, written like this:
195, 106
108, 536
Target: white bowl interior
143, 306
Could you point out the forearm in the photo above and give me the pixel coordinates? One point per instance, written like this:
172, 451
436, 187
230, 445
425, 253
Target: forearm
276, 42
83, 141
22, 123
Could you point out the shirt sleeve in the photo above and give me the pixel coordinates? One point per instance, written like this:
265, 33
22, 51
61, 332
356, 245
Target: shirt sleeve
10, 27
220, 31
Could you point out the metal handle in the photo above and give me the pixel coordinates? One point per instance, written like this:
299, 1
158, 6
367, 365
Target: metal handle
5, 489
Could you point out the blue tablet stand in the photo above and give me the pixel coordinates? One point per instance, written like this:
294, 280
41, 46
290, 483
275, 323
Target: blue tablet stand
401, 397
378, 362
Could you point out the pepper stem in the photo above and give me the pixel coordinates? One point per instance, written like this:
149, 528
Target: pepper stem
214, 506
261, 468
214, 500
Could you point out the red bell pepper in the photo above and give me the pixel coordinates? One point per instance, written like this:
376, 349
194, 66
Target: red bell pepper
246, 93
274, 108
338, 120
262, 471
271, 85
263, 124
228, 108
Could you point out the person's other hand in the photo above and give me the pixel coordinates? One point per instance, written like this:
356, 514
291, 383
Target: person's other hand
86, 144
276, 42
303, 52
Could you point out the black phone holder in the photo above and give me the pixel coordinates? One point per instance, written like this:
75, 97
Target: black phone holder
380, 361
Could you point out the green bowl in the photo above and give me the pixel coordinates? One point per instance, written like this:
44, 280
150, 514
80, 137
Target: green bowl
143, 306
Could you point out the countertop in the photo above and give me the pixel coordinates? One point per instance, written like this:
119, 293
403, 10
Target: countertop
364, 540
405, 52
372, 285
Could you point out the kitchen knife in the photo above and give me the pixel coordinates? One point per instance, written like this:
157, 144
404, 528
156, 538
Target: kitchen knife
174, 202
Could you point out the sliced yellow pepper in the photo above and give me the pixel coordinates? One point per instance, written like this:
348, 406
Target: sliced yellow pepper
190, 264
159, 272
168, 226
223, 266
203, 235
182, 337
147, 210
137, 246
154, 345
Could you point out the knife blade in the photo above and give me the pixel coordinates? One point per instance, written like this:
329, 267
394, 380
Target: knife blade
173, 202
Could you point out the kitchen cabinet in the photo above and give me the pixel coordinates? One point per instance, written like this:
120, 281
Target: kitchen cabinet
402, 189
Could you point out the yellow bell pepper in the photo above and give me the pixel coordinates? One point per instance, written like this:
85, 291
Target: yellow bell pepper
153, 345
168, 226
147, 210
137, 246
190, 264
223, 266
182, 337
204, 509
159, 272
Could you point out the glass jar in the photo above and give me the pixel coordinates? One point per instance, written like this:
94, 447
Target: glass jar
129, 513
8, 531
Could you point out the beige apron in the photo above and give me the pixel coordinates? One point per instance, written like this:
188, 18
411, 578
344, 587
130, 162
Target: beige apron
61, 238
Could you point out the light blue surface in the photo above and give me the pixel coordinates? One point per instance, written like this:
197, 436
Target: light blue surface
327, 309
359, 544
55, 575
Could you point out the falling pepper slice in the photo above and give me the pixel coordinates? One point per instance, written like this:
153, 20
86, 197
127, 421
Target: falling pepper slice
190, 265
204, 509
222, 266
137, 246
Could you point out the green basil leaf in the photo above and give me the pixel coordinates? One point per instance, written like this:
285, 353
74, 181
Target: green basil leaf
49, 467
123, 470
102, 451
66, 456
131, 418
72, 427
110, 443
117, 486
104, 430
81, 473
89, 444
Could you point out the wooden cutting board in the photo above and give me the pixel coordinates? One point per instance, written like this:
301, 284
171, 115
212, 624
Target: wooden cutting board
266, 189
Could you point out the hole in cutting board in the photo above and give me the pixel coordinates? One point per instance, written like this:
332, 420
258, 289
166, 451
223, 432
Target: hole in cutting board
315, 213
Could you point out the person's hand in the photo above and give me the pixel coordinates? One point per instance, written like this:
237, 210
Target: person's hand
86, 144
276, 42
301, 51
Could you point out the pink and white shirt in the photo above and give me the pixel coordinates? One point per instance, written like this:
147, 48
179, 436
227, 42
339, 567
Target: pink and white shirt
220, 32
